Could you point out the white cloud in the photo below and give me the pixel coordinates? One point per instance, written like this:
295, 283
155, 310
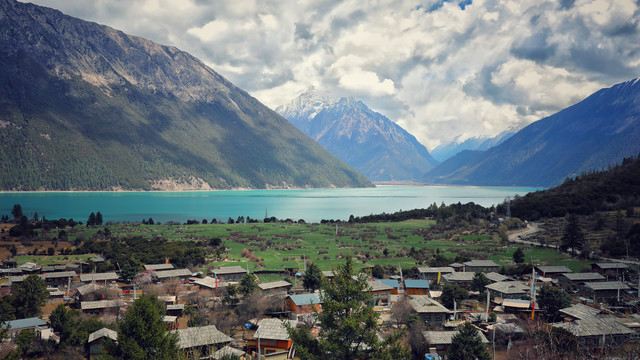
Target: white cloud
437, 69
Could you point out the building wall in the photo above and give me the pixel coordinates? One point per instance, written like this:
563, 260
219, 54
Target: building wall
416, 291
303, 309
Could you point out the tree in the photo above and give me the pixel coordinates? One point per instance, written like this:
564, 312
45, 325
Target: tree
7, 311
63, 322
467, 344
17, 211
377, 271
402, 310
479, 281
247, 285
572, 238
98, 218
451, 293
312, 279
13, 250
518, 256
130, 269
24, 340
91, 220
551, 300
143, 335
30, 296
348, 323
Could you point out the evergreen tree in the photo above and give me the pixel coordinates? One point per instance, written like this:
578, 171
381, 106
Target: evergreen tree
142, 334
312, 279
91, 220
348, 323
451, 293
247, 285
30, 296
572, 238
518, 256
63, 322
378, 271
17, 211
467, 344
130, 269
479, 281
551, 300
98, 218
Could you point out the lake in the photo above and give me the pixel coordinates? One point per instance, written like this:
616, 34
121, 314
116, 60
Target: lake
312, 205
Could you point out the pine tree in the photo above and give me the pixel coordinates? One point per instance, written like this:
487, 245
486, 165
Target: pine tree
467, 344
518, 256
479, 281
312, 279
572, 237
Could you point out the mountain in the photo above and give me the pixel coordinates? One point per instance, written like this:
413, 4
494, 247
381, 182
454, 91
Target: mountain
87, 107
364, 139
592, 134
445, 151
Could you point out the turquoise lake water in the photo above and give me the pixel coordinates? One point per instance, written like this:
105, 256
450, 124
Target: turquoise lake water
311, 205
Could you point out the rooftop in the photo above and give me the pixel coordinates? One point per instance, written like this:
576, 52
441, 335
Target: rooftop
274, 285
613, 265
273, 329
305, 299
104, 332
595, 326
158, 267
209, 282
593, 276
459, 276
165, 274
416, 284
435, 270
378, 286
26, 323
424, 304
229, 270
101, 304
606, 285
580, 311
445, 337
88, 288
508, 287
480, 263
390, 282
554, 269
98, 277
201, 336
496, 277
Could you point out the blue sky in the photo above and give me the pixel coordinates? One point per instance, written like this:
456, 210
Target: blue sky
438, 68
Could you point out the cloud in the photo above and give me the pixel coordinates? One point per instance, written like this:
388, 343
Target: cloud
438, 68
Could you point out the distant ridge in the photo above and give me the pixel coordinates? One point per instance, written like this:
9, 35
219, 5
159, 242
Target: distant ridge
445, 151
364, 139
598, 131
87, 107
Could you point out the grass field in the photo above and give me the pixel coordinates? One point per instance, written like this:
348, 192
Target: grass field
281, 245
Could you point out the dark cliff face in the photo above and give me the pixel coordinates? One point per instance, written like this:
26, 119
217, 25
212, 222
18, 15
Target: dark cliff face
597, 132
364, 139
89, 107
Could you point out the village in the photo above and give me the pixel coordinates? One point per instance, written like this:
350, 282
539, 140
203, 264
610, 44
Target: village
596, 308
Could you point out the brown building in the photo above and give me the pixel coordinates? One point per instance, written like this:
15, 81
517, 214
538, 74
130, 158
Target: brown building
416, 287
275, 288
273, 338
303, 303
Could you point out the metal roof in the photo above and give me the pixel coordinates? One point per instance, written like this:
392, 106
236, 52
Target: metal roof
416, 284
26, 323
104, 332
201, 336
158, 267
378, 286
584, 276
390, 282
580, 311
98, 277
555, 269
595, 326
305, 299
165, 274
445, 337
612, 265
229, 270
606, 285
423, 304
274, 285
273, 329
435, 270
508, 287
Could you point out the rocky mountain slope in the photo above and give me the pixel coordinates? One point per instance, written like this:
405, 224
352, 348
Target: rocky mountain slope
85, 106
364, 139
593, 134
445, 151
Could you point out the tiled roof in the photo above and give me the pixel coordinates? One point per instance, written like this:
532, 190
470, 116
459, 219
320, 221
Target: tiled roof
229, 270
98, 277
273, 329
274, 284
424, 304
495, 277
104, 332
158, 267
613, 265
595, 326
508, 287
175, 307
210, 282
201, 336
305, 299
580, 311
88, 288
593, 276
165, 274
416, 284
606, 285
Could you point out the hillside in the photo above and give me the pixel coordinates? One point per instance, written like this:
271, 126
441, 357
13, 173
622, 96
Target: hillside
592, 134
445, 151
87, 107
364, 139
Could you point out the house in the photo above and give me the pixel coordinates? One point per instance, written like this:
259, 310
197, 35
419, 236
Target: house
229, 352
380, 292
579, 312
613, 270
328, 274
601, 331
275, 288
83, 291
441, 340
431, 273
496, 277
430, 311
175, 274
303, 303
51, 279
273, 339
98, 277
96, 339
459, 278
457, 266
570, 280
32, 323
156, 267
551, 271
201, 340
175, 309
416, 287
485, 266
100, 307
210, 285
513, 306
509, 289
394, 283
171, 321
603, 290
229, 273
